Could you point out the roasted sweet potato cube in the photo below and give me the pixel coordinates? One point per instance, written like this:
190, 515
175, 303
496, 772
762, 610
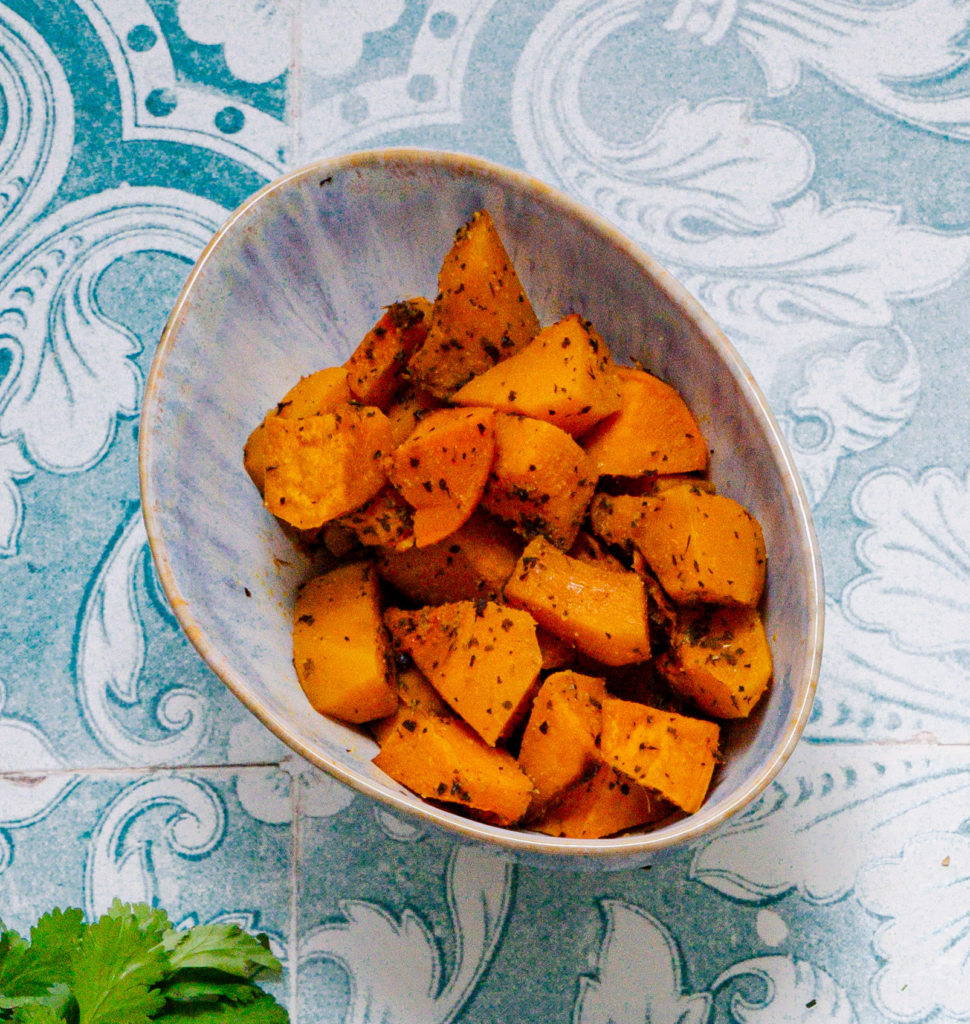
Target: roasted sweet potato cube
442, 759
481, 657
541, 480
672, 754
653, 431
720, 659
559, 741
702, 547
556, 652
602, 612
415, 693
603, 805
387, 520
565, 376
340, 647
442, 467
314, 394
374, 370
323, 466
471, 563
407, 410
481, 314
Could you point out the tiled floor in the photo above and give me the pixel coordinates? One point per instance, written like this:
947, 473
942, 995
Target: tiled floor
801, 166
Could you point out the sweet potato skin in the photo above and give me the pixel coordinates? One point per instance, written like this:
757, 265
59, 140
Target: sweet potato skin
340, 647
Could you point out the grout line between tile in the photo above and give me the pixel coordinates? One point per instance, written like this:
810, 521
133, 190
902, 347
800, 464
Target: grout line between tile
109, 770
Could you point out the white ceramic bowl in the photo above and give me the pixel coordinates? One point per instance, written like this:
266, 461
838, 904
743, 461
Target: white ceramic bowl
290, 284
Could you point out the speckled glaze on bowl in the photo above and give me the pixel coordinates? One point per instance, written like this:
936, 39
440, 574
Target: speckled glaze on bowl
290, 284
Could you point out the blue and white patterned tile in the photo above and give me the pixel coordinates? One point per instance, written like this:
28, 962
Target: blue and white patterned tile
205, 845
803, 174
801, 904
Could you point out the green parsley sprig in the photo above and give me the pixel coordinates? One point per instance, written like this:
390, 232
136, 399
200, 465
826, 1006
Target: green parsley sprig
132, 967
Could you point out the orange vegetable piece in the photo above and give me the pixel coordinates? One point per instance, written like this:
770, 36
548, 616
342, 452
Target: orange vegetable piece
473, 562
481, 314
559, 742
314, 394
653, 431
374, 370
323, 466
407, 410
556, 652
720, 660
442, 467
442, 759
603, 613
541, 480
565, 376
672, 754
481, 657
415, 693
702, 547
603, 805
340, 647
387, 520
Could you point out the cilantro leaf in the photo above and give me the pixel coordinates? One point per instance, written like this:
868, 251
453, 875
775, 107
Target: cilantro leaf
149, 919
264, 1010
221, 947
36, 1013
115, 971
27, 971
208, 986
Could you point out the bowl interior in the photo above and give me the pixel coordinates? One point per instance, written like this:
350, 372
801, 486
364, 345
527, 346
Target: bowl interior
290, 284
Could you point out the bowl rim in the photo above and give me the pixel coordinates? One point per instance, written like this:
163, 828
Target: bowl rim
626, 847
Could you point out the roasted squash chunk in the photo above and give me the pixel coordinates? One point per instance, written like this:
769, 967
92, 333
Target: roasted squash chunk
387, 520
672, 754
323, 466
481, 657
702, 547
442, 467
603, 805
442, 759
720, 659
340, 647
481, 314
472, 563
559, 744
653, 431
316, 393
603, 613
407, 410
374, 370
541, 480
565, 376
